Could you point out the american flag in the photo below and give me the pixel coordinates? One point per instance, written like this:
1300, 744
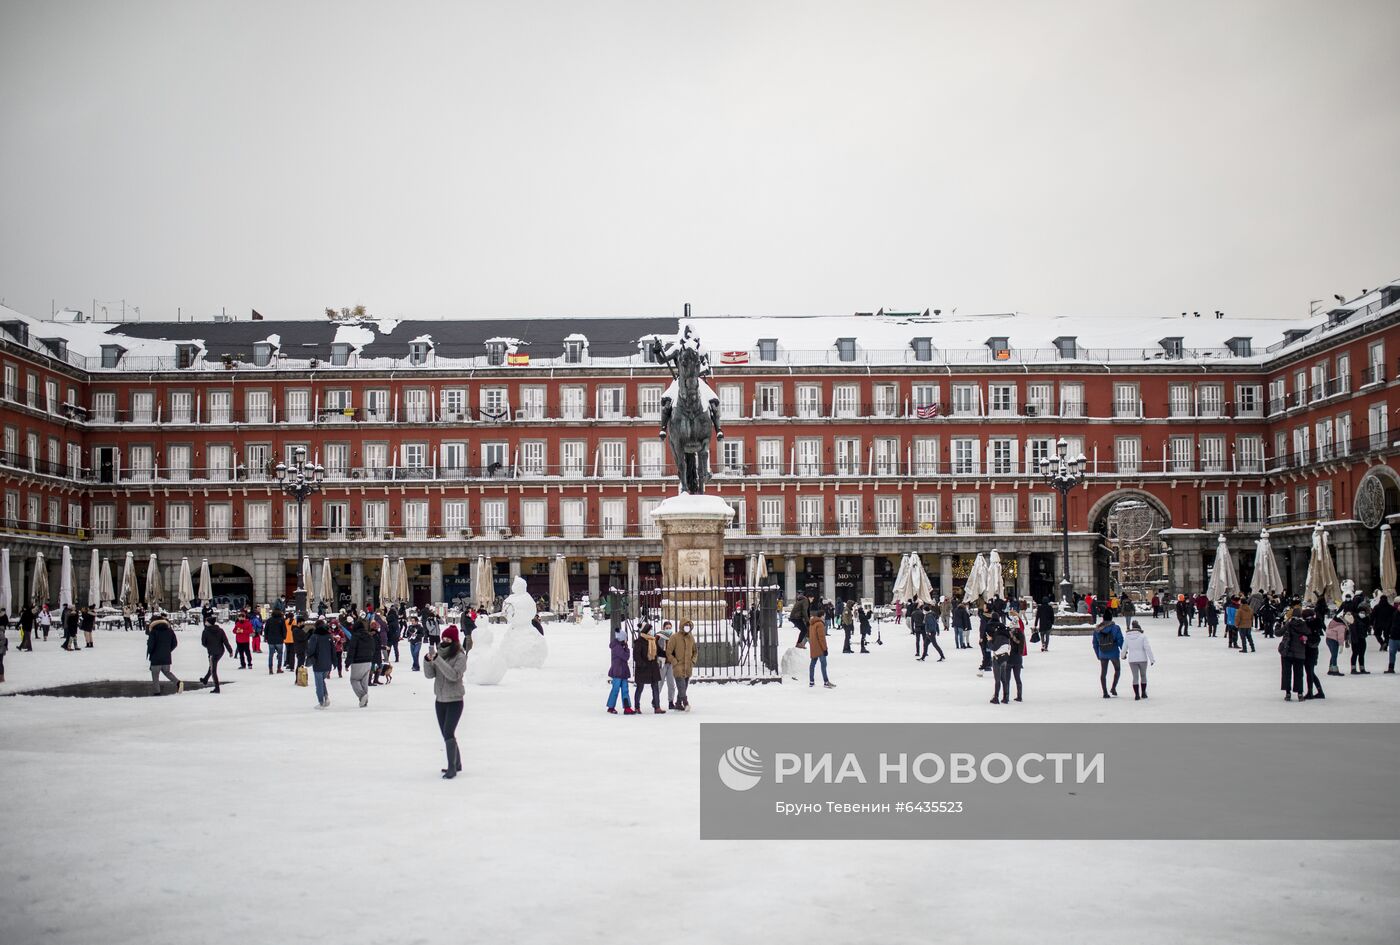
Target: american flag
926, 412
734, 357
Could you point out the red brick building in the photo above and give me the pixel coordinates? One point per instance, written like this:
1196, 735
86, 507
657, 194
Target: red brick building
849, 441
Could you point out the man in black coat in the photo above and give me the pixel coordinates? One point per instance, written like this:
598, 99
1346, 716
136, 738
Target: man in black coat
215, 643
1045, 622
160, 648
275, 635
798, 616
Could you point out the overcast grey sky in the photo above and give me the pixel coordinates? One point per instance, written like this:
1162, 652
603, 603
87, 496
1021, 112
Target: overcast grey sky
625, 157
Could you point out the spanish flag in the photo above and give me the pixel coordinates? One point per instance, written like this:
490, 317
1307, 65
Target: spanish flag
519, 359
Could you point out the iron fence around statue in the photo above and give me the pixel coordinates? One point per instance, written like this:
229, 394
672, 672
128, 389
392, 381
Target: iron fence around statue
735, 628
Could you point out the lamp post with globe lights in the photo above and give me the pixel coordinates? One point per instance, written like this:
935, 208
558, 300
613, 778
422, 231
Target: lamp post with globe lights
300, 480
1062, 473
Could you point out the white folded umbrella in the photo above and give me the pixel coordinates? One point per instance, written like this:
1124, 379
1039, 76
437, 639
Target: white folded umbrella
1266, 578
206, 585
155, 590
106, 593
1387, 562
1224, 581
65, 578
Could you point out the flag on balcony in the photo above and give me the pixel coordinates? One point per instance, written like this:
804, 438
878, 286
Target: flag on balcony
518, 359
734, 357
926, 412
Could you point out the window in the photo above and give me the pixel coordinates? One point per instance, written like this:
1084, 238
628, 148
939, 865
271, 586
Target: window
1213, 508
770, 456
651, 456
533, 517
454, 517
1003, 398
1342, 381
1001, 456
571, 457
1126, 402
1277, 396
338, 400
1319, 381
885, 458
178, 462
1127, 455
926, 456
731, 402
809, 457
1183, 451
1038, 448
649, 401
495, 459
31, 390
1302, 500
453, 402
418, 352
143, 406
340, 354
809, 401
846, 349
571, 402
1212, 400
770, 400
1248, 400
1072, 400
256, 403
1250, 508
337, 461
612, 402
1301, 443
848, 456
845, 400
415, 459
218, 521
1375, 360
415, 405
262, 353
768, 349
809, 514
376, 518
220, 406
31, 450
926, 512
613, 456
1324, 500
112, 355
965, 400
104, 407
571, 514
532, 403
925, 396
965, 513
495, 353
494, 404
923, 349
11, 382
1042, 513
613, 513
75, 515
573, 349
142, 463
415, 518
337, 518
1249, 453
1343, 434
731, 453
258, 460
887, 514
1278, 506
259, 516
376, 456
848, 514
219, 460
770, 515
532, 457
964, 457
1003, 513
453, 459
1324, 439
1040, 399
1179, 400
886, 400
51, 396
1212, 454
493, 516
1376, 425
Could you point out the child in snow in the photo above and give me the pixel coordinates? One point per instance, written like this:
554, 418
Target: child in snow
618, 673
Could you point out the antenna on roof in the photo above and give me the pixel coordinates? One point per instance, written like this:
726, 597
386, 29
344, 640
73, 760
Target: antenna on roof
1338, 298
687, 310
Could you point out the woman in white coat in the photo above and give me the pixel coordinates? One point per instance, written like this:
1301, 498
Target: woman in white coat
1138, 651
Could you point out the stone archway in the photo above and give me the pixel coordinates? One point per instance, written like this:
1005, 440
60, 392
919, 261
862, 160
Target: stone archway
1377, 495
1128, 555
1100, 509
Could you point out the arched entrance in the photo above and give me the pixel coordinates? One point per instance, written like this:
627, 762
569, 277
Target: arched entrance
232, 585
1130, 555
1377, 499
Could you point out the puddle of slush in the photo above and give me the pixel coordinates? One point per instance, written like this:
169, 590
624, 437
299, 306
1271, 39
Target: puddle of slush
113, 689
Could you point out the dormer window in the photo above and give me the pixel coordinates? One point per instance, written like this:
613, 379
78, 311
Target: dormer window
648, 346
1067, 346
846, 349
923, 349
1001, 350
58, 347
1171, 347
1240, 347
184, 356
768, 349
340, 354
574, 346
262, 353
112, 356
418, 352
495, 353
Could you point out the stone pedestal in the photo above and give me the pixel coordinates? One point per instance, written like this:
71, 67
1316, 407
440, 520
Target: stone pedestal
692, 570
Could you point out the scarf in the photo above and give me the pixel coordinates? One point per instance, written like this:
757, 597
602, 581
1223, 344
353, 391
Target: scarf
651, 644
448, 649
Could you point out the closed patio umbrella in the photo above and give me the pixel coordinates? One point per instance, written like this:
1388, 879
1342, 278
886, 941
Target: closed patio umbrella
1223, 579
326, 591
902, 589
1322, 571
184, 593
386, 582
559, 585
977, 584
308, 582
155, 590
39, 589
65, 578
206, 585
1387, 562
996, 581
95, 581
483, 588
1266, 579
107, 592
130, 595
401, 582
5, 590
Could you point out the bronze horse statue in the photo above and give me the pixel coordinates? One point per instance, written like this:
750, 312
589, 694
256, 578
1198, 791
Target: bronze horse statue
687, 423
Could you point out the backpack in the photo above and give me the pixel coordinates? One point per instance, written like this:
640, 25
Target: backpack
1104, 638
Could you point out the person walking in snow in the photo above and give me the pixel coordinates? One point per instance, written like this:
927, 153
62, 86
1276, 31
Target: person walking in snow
320, 655
1015, 660
70, 629
45, 622
999, 644
1293, 651
446, 666
1244, 626
26, 628
681, 654
1107, 639
275, 631
647, 668
340, 638
816, 649
215, 643
1212, 618
1138, 650
364, 646
617, 673
1310, 656
799, 619
1359, 627
87, 622
243, 638
931, 624
160, 648
864, 617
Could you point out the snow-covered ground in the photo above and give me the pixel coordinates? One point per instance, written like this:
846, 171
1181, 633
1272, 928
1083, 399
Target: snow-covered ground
251, 817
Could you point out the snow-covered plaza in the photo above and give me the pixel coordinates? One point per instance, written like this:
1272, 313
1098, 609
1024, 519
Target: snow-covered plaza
250, 816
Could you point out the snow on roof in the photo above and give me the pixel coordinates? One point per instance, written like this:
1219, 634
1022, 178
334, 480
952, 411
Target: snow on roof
356, 336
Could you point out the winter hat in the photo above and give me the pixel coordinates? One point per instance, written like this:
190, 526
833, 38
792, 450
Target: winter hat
452, 633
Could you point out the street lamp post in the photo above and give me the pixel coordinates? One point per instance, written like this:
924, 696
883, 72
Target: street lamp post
300, 480
1063, 473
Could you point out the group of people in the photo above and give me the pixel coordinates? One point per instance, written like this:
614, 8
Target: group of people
1306, 626
666, 656
71, 621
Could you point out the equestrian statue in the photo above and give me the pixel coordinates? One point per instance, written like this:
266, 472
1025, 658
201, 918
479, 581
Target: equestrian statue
689, 410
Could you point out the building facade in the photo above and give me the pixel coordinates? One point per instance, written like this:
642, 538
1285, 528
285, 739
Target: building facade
848, 442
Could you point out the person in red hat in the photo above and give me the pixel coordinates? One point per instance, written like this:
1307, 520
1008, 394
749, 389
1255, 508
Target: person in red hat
446, 666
